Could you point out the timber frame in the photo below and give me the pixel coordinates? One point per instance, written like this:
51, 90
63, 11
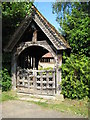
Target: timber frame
34, 38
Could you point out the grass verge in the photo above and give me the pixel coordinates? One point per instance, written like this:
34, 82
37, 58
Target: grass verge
10, 95
76, 107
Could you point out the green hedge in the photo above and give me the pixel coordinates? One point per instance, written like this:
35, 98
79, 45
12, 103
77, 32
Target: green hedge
75, 77
5, 80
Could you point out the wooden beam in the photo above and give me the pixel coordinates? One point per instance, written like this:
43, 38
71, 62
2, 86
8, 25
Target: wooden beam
58, 72
13, 71
34, 38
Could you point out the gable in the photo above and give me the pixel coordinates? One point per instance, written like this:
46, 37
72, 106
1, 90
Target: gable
28, 34
50, 32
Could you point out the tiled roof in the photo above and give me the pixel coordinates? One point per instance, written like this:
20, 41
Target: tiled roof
47, 55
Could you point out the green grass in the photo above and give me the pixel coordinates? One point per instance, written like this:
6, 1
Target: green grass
10, 95
79, 107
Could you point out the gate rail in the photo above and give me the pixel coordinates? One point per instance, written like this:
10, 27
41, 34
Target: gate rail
36, 81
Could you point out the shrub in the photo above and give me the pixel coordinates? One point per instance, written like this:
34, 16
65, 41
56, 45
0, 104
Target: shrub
75, 77
5, 80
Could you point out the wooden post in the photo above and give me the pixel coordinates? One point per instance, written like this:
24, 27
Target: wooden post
34, 79
47, 79
34, 38
60, 64
13, 72
53, 81
34, 62
58, 72
41, 80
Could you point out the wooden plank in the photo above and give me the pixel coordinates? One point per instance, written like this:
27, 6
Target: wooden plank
34, 38
41, 85
47, 81
54, 81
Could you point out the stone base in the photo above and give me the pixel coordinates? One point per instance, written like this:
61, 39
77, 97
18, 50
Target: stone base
14, 88
46, 97
59, 97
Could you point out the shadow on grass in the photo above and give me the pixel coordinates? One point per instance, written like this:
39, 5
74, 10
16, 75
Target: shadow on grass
76, 107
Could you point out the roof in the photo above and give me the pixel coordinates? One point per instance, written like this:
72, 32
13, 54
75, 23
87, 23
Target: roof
47, 55
56, 33
54, 36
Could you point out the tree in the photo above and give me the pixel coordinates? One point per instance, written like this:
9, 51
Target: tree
74, 20
74, 23
12, 15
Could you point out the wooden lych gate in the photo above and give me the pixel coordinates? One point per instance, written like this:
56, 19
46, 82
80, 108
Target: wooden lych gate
34, 38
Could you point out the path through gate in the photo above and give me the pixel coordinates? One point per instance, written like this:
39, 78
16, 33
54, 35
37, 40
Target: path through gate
36, 81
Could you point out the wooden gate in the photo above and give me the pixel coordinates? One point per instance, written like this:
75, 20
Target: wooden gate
36, 81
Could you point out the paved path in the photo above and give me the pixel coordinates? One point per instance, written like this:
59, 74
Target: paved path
23, 109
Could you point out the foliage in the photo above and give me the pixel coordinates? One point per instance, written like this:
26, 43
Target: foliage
5, 80
12, 14
75, 77
6, 58
74, 23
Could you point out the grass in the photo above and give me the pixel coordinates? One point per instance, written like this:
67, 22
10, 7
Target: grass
79, 107
10, 95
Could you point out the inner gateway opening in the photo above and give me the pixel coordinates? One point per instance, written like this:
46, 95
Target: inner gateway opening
30, 57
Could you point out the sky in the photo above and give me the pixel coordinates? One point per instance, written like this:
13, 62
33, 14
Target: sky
45, 8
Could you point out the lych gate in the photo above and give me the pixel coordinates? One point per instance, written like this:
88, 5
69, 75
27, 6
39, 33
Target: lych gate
34, 38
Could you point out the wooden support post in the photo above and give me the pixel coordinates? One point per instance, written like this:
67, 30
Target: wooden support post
60, 64
34, 80
58, 72
41, 80
53, 81
13, 72
34, 38
47, 79
34, 62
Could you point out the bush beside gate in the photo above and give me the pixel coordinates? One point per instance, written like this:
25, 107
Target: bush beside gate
75, 77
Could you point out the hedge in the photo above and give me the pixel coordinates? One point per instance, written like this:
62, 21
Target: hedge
75, 77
